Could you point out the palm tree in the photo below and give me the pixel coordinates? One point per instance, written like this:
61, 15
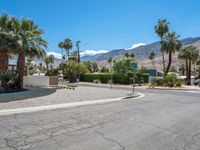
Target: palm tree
182, 69
190, 55
51, 61
152, 58
110, 61
171, 44
126, 55
161, 29
31, 43
47, 62
67, 45
8, 41
78, 49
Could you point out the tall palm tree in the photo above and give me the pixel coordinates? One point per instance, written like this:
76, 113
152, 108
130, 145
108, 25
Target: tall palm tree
31, 44
171, 44
67, 45
152, 58
190, 55
8, 41
51, 61
161, 29
78, 49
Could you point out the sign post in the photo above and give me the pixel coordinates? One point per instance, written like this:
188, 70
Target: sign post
134, 66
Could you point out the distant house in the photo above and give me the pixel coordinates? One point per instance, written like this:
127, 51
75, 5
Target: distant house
153, 73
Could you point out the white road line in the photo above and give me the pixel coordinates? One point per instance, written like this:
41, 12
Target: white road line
60, 106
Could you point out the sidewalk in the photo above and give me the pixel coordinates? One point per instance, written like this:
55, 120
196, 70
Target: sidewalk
61, 96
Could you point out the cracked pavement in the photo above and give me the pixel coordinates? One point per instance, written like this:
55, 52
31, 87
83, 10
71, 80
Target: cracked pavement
167, 120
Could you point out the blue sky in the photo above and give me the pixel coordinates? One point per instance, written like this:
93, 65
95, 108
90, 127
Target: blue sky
106, 24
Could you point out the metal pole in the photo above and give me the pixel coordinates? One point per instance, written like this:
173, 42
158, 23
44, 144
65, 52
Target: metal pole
133, 84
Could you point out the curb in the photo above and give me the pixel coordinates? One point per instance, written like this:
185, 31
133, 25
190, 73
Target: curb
62, 87
184, 89
62, 106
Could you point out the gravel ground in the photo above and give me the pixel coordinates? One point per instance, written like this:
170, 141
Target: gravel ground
64, 96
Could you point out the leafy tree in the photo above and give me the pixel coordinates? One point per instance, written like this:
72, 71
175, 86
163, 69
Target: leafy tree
152, 58
75, 70
171, 45
122, 66
161, 28
104, 69
110, 62
91, 66
66, 45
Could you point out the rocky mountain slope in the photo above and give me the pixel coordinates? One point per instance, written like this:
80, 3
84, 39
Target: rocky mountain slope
142, 53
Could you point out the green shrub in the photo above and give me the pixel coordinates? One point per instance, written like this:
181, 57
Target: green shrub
53, 72
97, 81
10, 81
168, 80
118, 78
121, 78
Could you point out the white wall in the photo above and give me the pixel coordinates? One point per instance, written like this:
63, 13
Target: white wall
36, 81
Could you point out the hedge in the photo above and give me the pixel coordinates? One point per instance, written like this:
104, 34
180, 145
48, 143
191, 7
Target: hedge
117, 78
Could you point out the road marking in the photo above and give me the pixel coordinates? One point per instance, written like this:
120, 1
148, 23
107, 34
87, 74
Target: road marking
60, 106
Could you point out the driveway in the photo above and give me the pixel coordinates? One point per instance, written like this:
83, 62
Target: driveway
162, 120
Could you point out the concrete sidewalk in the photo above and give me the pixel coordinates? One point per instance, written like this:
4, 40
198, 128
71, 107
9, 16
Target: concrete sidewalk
65, 96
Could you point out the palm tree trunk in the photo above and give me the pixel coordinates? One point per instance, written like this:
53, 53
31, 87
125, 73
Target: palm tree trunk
68, 54
187, 71
169, 64
4, 59
163, 55
189, 74
79, 56
21, 66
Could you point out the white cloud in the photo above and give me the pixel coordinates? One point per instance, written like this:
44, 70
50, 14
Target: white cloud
56, 55
136, 45
92, 52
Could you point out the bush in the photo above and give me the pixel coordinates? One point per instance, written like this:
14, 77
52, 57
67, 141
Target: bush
104, 78
97, 81
121, 78
118, 78
10, 81
53, 72
168, 80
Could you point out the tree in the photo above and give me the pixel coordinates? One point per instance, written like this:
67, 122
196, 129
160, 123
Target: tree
8, 41
190, 55
122, 66
78, 50
110, 61
152, 58
104, 69
51, 61
171, 44
91, 66
66, 45
182, 69
74, 70
31, 43
161, 29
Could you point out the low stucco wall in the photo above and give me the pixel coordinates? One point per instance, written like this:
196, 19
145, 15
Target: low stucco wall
36, 81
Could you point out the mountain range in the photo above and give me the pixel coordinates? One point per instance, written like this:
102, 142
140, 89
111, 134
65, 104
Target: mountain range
141, 53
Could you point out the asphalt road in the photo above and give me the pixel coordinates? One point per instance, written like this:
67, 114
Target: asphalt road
162, 120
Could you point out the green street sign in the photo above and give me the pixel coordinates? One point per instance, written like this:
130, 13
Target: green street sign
134, 66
